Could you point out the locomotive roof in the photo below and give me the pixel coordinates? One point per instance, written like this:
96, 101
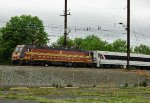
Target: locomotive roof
57, 48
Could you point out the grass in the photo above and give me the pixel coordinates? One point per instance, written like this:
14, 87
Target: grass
81, 95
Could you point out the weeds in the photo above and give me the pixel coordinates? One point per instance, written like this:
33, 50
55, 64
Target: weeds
143, 83
4, 88
83, 95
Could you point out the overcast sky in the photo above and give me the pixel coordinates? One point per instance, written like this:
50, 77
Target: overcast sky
85, 13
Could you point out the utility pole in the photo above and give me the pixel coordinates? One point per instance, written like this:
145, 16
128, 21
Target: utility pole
128, 34
65, 25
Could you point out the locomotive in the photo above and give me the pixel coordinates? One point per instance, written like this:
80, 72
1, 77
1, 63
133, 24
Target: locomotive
42, 55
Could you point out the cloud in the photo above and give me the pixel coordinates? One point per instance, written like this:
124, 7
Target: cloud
32, 4
106, 13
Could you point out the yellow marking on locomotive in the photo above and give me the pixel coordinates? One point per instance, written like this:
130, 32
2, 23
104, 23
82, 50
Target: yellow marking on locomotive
61, 55
66, 59
60, 60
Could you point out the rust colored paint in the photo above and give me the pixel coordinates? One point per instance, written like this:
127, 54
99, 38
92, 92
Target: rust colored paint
58, 55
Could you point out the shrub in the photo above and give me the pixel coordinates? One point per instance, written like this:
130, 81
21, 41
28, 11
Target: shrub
126, 85
69, 85
144, 84
135, 85
94, 85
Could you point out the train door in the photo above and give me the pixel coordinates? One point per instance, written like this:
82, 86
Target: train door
97, 58
91, 54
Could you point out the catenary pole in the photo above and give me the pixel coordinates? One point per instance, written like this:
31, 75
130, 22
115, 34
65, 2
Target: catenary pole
128, 34
65, 25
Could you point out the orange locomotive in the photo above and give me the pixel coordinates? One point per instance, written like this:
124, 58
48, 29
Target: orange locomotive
41, 55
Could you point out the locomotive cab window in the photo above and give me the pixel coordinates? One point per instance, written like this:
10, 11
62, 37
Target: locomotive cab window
91, 55
18, 49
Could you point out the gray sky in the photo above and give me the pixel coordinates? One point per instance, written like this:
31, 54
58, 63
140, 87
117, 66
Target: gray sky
85, 13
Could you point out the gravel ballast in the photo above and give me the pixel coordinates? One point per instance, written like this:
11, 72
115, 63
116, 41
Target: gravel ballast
36, 76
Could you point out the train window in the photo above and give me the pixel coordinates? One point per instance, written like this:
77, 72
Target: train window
101, 56
18, 49
91, 54
117, 57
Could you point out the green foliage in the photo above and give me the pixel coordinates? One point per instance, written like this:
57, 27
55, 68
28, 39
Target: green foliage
77, 42
109, 47
93, 43
119, 46
60, 42
11, 96
142, 49
4, 88
126, 85
103, 95
0, 38
21, 30
89, 43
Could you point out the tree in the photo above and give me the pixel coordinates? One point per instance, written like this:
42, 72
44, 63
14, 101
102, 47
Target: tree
77, 43
60, 42
21, 30
0, 39
142, 49
93, 43
119, 46
89, 43
109, 47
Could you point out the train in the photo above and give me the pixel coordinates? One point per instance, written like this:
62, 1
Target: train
43, 55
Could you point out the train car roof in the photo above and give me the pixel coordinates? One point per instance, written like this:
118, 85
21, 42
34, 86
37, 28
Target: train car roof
123, 54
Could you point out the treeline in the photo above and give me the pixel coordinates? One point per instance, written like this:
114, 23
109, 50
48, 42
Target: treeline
93, 42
